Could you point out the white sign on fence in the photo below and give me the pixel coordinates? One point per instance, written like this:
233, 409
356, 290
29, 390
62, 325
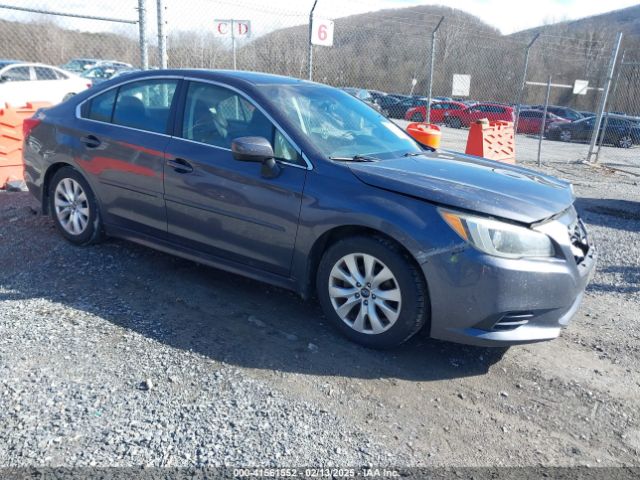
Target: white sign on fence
232, 28
322, 32
580, 87
461, 85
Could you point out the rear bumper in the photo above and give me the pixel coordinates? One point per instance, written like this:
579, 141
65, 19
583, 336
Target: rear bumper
481, 300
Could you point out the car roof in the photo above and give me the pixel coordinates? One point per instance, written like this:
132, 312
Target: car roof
253, 78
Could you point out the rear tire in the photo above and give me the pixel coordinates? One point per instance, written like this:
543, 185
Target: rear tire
565, 135
625, 141
74, 208
454, 122
372, 291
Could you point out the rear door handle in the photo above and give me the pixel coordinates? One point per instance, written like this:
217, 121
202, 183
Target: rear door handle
180, 165
91, 141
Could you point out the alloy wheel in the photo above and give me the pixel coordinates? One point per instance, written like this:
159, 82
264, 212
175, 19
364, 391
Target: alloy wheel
565, 135
365, 293
625, 142
71, 206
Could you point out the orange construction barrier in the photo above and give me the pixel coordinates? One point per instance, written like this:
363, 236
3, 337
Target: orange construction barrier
11, 163
492, 140
425, 133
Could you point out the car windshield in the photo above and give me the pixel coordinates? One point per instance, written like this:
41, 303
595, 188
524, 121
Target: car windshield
78, 64
338, 124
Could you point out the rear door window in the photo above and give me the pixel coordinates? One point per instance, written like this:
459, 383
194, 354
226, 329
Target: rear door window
145, 105
100, 108
44, 73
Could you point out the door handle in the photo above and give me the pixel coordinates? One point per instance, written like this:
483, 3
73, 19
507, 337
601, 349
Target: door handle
180, 165
91, 141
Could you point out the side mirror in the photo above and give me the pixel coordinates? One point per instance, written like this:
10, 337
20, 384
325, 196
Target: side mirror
256, 149
251, 149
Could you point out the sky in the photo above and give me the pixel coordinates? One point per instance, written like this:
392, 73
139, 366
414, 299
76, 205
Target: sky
506, 15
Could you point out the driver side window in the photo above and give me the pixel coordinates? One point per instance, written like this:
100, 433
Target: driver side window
216, 115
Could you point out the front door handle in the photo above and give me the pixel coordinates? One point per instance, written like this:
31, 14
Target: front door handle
180, 165
91, 141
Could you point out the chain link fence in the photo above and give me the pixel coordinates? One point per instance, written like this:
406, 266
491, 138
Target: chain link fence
383, 51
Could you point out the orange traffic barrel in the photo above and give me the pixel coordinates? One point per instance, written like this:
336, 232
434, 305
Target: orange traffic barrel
425, 133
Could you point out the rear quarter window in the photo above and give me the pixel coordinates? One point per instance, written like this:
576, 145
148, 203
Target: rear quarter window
100, 108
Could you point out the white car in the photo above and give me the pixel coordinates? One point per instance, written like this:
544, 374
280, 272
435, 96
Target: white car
21, 83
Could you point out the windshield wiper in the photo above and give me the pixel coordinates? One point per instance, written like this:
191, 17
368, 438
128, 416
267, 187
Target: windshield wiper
355, 158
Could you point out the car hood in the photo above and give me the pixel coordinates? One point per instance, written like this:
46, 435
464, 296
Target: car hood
470, 183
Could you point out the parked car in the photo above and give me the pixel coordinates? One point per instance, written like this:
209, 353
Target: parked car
399, 110
386, 103
364, 95
586, 114
35, 82
490, 111
302, 186
563, 112
439, 111
530, 121
399, 96
621, 131
80, 65
103, 72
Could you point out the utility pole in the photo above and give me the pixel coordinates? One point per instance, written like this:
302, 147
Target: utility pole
433, 53
544, 121
524, 80
605, 95
310, 53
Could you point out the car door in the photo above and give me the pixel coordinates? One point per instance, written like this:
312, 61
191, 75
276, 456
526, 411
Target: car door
49, 85
222, 206
121, 138
17, 87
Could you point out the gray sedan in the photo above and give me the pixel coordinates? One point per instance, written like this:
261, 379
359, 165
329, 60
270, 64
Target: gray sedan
305, 187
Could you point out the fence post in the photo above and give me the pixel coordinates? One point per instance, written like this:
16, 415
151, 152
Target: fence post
433, 53
524, 81
605, 94
310, 53
142, 26
544, 121
613, 95
162, 38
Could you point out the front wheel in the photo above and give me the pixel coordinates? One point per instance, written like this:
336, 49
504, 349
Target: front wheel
372, 291
74, 208
417, 117
565, 135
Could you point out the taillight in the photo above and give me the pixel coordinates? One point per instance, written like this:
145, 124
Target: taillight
90, 84
29, 124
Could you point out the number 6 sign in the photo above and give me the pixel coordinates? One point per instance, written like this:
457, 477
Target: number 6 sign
322, 32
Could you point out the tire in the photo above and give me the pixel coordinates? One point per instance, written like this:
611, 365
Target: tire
417, 117
454, 122
565, 135
71, 196
372, 321
625, 141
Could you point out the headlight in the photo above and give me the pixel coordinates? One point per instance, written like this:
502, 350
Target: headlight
499, 238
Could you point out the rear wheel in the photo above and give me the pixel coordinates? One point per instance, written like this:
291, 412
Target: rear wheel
454, 122
417, 117
372, 291
565, 135
74, 208
625, 141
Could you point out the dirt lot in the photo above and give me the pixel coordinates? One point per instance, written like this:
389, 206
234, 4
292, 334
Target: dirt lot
120, 355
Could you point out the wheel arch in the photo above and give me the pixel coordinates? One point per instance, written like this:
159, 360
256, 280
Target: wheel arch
48, 175
335, 234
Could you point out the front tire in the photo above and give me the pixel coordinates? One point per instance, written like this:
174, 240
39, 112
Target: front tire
454, 122
625, 141
417, 117
372, 291
565, 135
74, 208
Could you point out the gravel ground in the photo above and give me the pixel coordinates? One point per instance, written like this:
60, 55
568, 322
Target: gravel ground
117, 355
